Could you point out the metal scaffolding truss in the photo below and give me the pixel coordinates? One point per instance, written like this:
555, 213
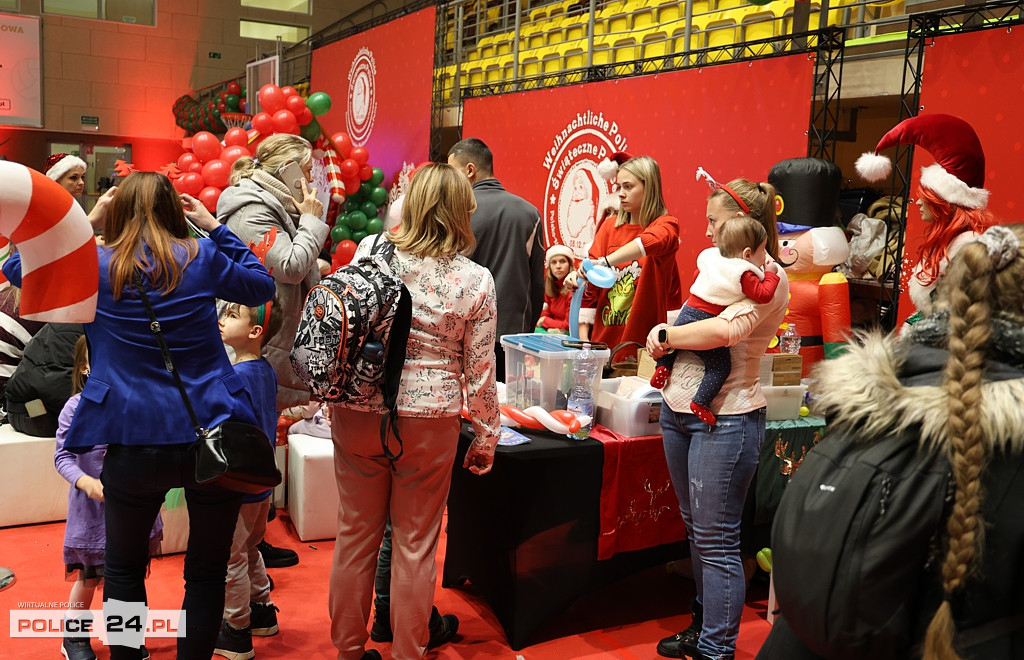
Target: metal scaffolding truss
922, 30
828, 80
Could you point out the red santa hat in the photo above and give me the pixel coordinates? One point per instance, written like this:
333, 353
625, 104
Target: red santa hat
58, 165
958, 175
609, 169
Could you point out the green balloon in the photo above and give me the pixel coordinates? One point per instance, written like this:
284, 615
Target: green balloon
231, 101
351, 204
370, 209
310, 131
365, 189
356, 221
375, 226
319, 103
378, 195
358, 236
340, 233
378, 177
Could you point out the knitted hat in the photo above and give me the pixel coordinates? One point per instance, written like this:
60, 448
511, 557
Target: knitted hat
556, 250
958, 175
58, 165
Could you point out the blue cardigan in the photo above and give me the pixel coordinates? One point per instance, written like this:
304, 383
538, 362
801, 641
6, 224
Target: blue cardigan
130, 397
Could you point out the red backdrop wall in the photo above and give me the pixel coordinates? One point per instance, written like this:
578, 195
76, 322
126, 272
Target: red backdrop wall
976, 76
734, 120
380, 84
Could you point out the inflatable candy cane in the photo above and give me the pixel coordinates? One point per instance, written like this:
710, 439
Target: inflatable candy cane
332, 169
59, 268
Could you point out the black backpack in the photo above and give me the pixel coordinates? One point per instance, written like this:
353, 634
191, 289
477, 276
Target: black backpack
855, 531
351, 339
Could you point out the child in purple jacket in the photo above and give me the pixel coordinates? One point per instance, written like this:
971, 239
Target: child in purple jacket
84, 534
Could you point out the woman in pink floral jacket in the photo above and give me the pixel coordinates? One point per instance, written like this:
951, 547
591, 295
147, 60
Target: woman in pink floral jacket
451, 339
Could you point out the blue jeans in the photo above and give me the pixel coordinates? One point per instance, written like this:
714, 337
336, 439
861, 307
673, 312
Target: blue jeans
135, 481
711, 470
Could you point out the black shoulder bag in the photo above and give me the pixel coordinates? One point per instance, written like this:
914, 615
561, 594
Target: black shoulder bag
233, 455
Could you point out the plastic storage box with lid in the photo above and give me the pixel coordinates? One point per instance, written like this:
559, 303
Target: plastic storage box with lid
538, 370
632, 416
784, 401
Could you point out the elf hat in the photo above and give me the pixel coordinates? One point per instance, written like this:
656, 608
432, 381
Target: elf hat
58, 165
958, 175
559, 250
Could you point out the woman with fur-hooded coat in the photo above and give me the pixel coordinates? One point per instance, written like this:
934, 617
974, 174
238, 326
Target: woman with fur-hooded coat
956, 379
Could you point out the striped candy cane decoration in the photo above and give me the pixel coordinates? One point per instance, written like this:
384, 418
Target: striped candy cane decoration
60, 272
332, 169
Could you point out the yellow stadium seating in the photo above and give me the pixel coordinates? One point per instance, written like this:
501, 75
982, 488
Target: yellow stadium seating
574, 54
642, 15
533, 35
721, 32
574, 28
623, 47
655, 43
615, 19
485, 47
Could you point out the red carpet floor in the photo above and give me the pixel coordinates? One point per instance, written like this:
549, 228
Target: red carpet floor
624, 620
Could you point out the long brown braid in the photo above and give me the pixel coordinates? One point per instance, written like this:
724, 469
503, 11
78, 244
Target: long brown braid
974, 289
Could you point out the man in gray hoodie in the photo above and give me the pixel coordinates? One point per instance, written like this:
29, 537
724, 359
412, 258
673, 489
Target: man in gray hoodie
509, 243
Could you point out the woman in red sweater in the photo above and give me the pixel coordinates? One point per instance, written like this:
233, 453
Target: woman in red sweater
640, 244
554, 318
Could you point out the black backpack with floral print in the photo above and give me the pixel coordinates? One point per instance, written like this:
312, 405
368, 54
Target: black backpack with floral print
351, 339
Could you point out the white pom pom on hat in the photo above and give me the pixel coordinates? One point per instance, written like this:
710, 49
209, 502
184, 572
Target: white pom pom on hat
609, 167
958, 175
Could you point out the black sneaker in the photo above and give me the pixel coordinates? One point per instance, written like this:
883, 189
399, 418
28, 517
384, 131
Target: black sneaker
442, 628
77, 648
380, 631
263, 619
234, 644
277, 557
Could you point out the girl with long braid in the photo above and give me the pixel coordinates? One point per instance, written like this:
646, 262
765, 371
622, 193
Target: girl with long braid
955, 379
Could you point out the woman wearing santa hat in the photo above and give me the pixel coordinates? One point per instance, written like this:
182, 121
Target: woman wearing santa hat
951, 198
69, 171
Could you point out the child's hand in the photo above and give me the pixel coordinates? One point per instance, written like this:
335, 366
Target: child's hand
91, 486
771, 267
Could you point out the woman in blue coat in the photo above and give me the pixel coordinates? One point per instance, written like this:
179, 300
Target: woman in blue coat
131, 401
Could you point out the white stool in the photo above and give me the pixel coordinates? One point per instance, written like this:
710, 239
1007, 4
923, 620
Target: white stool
31, 489
312, 489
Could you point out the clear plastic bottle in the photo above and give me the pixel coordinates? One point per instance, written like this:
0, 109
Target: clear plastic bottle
581, 395
789, 342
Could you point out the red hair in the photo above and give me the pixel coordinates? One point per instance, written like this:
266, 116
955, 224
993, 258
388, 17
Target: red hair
949, 221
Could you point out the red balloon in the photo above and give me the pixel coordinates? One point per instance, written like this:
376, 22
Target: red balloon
243, 105
365, 173
233, 153
185, 160
271, 98
263, 122
234, 88
289, 91
223, 97
178, 184
360, 155
186, 143
343, 143
305, 116
284, 121
196, 167
205, 146
352, 186
209, 196
236, 137
222, 106
215, 173
191, 183
343, 254
349, 169
295, 104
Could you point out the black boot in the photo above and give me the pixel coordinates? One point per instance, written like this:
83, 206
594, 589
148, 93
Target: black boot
684, 643
277, 557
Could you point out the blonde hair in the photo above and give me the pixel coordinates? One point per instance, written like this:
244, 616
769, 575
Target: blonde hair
435, 215
646, 170
760, 199
147, 232
272, 153
81, 363
738, 234
973, 291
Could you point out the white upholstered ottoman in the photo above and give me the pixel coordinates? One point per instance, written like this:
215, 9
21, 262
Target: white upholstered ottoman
31, 489
312, 489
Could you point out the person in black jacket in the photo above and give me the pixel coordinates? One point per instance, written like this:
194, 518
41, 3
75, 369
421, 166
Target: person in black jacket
509, 243
956, 377
41, 384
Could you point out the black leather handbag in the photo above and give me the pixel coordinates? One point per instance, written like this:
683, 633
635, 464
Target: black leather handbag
233, 455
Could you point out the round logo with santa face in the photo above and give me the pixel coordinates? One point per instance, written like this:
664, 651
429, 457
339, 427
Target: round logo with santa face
362, 97
575, 190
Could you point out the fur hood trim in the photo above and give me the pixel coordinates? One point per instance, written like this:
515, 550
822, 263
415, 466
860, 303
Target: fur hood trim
861, 390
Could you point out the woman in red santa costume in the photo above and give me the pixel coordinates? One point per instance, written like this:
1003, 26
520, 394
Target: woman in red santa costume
951, 197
